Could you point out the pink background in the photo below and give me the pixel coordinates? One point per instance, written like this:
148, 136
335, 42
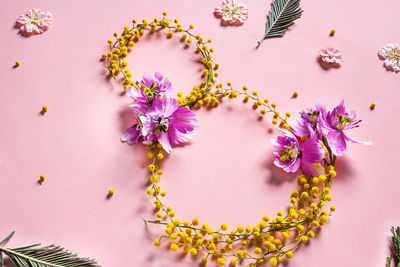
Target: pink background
225, 174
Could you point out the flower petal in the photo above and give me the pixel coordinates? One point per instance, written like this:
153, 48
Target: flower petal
131, 135
311, 151
353, 140
336, 142
164, 141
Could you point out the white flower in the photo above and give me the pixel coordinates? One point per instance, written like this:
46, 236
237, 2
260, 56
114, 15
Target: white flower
35, 21
232, 12
391, 54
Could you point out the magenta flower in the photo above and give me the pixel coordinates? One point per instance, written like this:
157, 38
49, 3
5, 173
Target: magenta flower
291, 155
149, 89
331, 56
308, 124
35, 21
166, 122
334, 124
232, 12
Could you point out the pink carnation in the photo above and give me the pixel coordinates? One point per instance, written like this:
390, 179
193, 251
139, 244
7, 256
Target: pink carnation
35, 21
232, 12
331, 56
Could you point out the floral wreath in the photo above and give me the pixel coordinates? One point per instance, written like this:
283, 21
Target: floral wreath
308, 146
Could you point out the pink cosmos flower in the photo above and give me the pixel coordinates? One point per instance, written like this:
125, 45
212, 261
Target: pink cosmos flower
331, 56
35, 21
149, 89
232, 12
166, 122
291, 155
308, 124
391, 55
334, 125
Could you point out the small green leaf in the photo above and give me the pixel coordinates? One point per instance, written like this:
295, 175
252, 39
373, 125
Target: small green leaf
389, 261
38, 256
396, 247
282, 15
396, 241
7, 238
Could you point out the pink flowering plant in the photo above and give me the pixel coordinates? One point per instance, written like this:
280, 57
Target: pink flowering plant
331, 56
159, 117
292, 154
317, 134
35, 21
232, 12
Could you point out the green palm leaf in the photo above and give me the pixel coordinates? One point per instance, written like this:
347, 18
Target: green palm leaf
396, 241
282, 15
38, 256
389, 261
396, 247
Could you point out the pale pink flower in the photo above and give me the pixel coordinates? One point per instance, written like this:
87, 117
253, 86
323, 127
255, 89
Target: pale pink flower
391, 54
232, 12
331, 56
35, 21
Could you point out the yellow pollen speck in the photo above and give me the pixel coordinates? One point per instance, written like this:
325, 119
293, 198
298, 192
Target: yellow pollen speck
44, 109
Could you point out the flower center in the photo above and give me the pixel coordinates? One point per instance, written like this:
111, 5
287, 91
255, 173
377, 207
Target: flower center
289, 154
313, 117
162, 124
330, 56
151, 92
35, 20
310, 116
342, 121
232, 11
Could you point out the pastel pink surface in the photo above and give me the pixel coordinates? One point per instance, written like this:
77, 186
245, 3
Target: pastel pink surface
225, 174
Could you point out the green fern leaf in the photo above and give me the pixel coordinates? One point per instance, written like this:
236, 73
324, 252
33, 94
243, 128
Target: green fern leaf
7, 238
389, 261
396, 241
49, 256
282, 15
